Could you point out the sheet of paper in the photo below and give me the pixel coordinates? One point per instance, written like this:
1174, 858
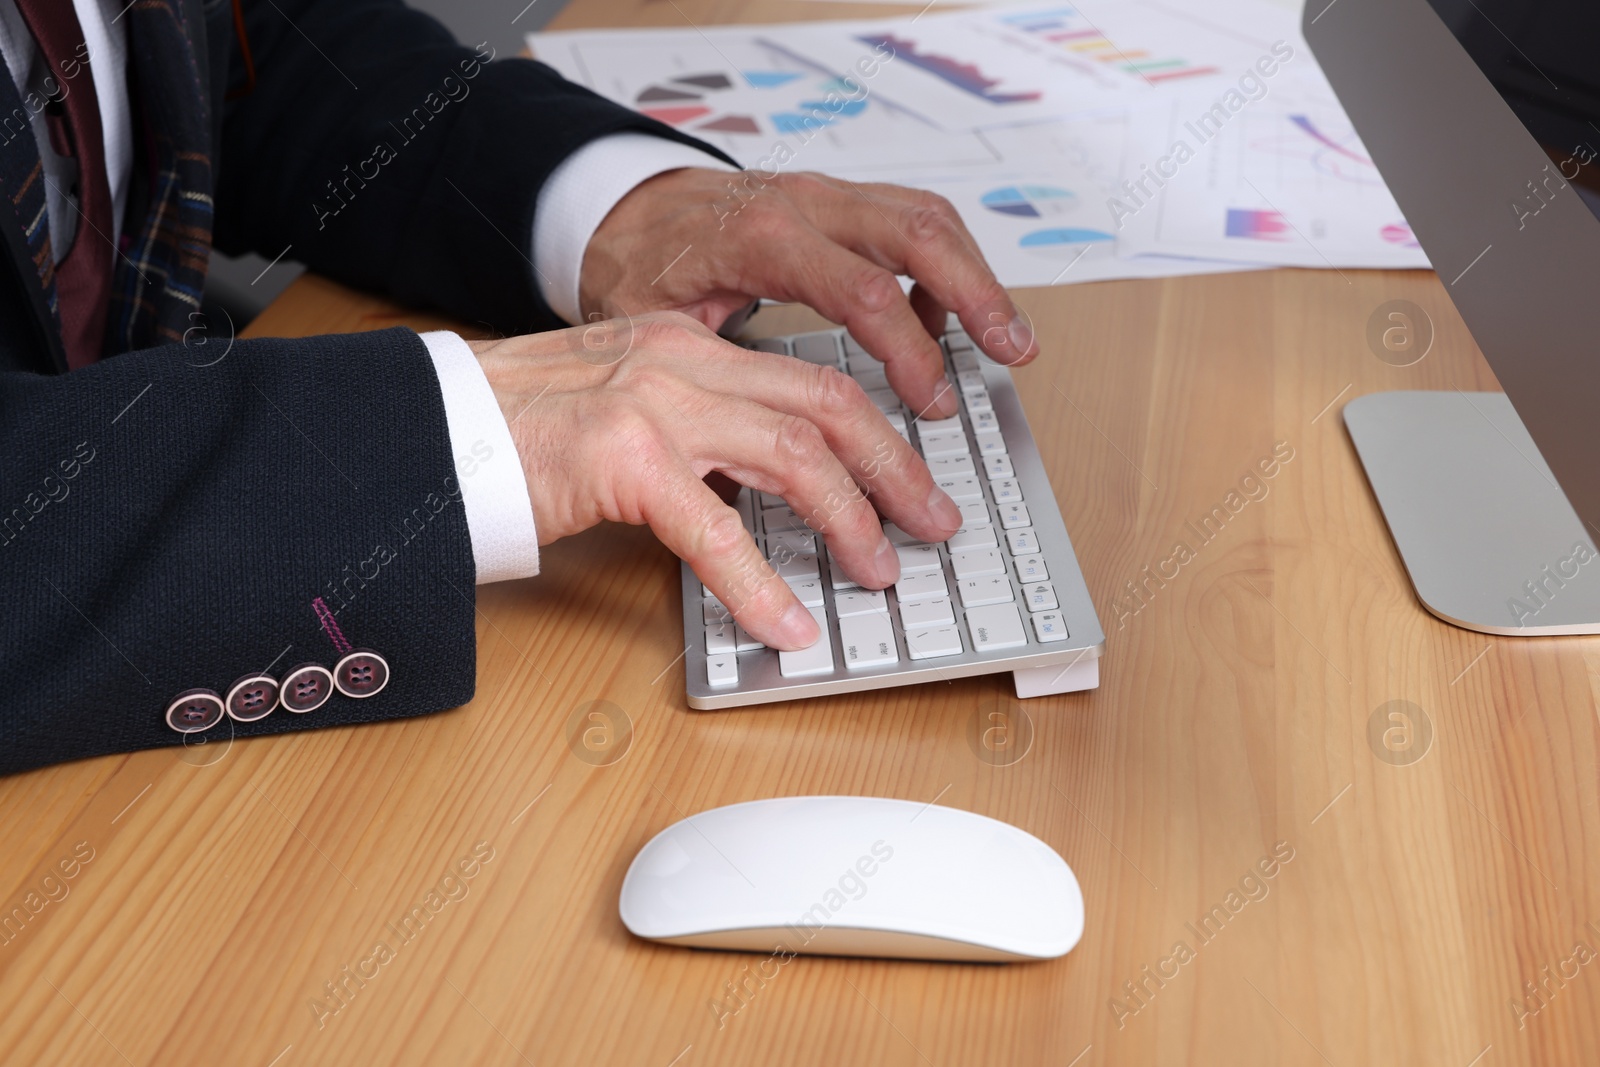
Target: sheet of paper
1288, 186
754, 94
1052, 127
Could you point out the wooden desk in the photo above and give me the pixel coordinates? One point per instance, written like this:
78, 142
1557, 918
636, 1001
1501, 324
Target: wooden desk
228, 884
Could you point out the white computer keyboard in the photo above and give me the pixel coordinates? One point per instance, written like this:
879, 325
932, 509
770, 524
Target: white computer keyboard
1003, 594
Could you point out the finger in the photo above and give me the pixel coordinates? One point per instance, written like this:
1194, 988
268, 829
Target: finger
863, 297
788, 455
909, 231
709, 536
856, 432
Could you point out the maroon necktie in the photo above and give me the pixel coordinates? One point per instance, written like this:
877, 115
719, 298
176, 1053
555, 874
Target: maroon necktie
83, 277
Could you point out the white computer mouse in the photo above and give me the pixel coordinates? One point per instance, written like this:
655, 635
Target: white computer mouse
854, 876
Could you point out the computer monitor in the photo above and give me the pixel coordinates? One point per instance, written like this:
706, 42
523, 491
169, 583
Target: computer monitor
1483, 116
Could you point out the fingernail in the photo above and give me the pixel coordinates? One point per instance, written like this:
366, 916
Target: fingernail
798, 627
888, 563
1021, 335
943, 509
944, 401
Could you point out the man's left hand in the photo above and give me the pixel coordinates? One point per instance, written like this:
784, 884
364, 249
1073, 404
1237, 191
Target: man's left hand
708, 242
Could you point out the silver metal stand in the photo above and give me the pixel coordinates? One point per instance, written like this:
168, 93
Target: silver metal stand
1485, 532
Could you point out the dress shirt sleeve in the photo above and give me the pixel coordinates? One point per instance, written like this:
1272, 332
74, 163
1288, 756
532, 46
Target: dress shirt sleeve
581, 192
494, 490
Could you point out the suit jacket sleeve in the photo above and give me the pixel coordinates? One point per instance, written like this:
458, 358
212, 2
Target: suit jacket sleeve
396, 160
166, 524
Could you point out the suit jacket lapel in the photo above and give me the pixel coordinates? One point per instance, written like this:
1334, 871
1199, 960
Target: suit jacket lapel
24, 222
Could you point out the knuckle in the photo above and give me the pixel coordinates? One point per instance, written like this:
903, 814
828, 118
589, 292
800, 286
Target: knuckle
770, 220
650, 381
925, 221
724, 535
836, 394
800, 442
859, 518
668, 329
637, 434
876, 289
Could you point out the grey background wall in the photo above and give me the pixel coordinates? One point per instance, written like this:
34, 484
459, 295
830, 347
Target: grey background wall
244, 285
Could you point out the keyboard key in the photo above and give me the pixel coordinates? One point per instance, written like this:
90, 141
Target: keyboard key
964, 358
791, 542
970, 381
796, 566
1050, 626
722, 671
769, 500
818, 659
860, 602
1031, 569
990, 444
852, 347
936, 445
715, 612
897, 536
918, 559
976, 592
776, 345
1041, 596
775, 520
1006, 491
963, 490
916, 587
950, 425
840, 580
719, 640
935, 611
743, 642
1014, 516
951, 466
809, 592
885, 399
979, 564
933, 642
985, 423
867, 641
978, 403
871, 378
1023, 542
995, 628
966, 539
955, 339
974, 515
819, 348
998, 467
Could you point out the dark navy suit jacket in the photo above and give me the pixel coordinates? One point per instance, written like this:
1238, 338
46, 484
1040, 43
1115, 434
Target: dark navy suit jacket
167, 517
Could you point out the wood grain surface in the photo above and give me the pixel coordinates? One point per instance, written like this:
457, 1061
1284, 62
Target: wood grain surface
218, 893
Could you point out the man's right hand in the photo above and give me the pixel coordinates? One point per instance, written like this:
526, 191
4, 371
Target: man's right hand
623, 420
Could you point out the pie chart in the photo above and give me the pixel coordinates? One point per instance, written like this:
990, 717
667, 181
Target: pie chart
1048, 238
692, 101
1063, 243
1029, 201
681, 101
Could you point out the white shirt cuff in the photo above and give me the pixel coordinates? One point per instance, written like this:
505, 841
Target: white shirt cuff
494, 489
581, 192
